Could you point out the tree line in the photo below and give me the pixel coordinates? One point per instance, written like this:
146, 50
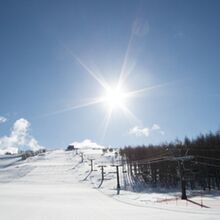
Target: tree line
194, 163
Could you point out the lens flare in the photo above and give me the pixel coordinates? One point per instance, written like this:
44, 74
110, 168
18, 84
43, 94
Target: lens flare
114, 98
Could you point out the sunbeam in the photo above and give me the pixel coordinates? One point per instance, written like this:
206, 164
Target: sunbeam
95, 101
106, 122
137, 92
124, 74
95, 76
99, 79
114, 98
131, 117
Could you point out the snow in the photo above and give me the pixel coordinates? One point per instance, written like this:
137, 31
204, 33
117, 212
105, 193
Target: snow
58, 185
6, 160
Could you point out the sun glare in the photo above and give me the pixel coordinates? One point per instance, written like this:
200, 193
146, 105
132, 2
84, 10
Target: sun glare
114, 98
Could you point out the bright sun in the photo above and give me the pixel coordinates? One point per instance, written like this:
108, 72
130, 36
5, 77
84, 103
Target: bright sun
114, 98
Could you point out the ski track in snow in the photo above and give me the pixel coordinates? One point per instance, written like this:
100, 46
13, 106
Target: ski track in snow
55, 186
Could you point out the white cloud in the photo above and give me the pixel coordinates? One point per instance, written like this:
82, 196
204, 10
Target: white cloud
18, 138
155, 127
87, 144
144, 131
2, 119
11, 150
137, 131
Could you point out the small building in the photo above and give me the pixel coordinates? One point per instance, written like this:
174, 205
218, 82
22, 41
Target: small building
70, 147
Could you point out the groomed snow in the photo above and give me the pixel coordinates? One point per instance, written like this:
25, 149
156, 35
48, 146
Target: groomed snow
59, 186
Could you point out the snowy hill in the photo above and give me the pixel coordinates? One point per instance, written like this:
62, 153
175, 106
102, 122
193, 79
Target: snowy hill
61, 185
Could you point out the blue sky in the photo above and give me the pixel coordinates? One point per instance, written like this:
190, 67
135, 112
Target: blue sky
173, 44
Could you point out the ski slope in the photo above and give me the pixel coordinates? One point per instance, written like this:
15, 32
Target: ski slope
53, 187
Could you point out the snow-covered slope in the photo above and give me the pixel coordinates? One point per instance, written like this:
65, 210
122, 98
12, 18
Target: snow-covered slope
59, 186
